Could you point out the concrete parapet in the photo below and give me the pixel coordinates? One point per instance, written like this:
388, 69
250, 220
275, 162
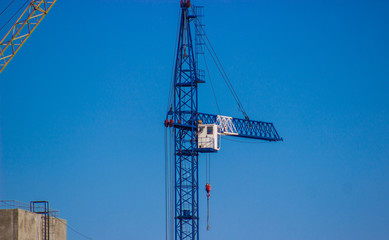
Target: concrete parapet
18, 224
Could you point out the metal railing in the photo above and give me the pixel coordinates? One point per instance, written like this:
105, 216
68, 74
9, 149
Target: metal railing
13, 204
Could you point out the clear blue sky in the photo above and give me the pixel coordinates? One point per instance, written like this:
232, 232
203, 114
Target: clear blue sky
82, 106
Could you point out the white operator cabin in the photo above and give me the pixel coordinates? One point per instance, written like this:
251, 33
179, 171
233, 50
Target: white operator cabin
209, 135
208, 138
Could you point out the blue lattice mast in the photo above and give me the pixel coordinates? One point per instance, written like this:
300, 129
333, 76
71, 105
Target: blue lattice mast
184, 115
196, 132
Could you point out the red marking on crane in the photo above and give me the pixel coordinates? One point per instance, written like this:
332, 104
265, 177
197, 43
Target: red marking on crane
186, 3
208, 189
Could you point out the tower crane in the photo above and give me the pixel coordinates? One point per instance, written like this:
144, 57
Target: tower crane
33, 13
193, 132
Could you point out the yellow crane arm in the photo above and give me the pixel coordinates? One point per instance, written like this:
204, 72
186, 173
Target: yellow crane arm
22, 29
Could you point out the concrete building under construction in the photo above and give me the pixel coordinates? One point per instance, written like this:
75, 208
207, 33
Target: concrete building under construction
34, 221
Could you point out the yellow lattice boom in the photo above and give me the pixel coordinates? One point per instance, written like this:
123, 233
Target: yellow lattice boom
22, 29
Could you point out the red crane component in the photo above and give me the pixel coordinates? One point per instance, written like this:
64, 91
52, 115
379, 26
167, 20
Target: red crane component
186, 3
208, 189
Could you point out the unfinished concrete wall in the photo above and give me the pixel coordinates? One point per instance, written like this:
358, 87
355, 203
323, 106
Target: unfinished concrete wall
17, 224
29, 225
8, 224
58, 229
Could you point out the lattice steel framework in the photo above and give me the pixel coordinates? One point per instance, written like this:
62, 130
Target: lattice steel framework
33, 14
247, 128
184, 118
184, 113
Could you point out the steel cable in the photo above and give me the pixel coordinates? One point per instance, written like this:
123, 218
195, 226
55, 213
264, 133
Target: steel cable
9, 5
210, 80
220, 67
171, 91
74, 230
13, 16
166, 182
172, 184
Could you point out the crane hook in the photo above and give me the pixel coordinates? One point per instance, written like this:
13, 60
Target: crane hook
208, 190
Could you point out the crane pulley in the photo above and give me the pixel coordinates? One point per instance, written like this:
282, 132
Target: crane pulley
208, 190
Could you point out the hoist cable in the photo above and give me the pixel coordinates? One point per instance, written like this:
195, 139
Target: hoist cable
208, 184
171, 89
206, 168
209, 171
13, 16
9, 5
208, 221
166, 182
172, 183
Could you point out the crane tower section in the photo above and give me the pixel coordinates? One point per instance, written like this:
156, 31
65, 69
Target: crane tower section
184, 114
194, 132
